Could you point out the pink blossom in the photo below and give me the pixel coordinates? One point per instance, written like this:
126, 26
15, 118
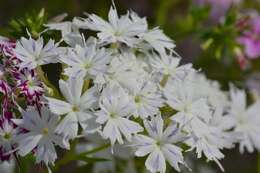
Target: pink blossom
30, 86
250, 38
218, 7
7, 46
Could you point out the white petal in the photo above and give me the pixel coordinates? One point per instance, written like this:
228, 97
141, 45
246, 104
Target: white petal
59, 107
173, 155
68, 126
156, 162
27, 143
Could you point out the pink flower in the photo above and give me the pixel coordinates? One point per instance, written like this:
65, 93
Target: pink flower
7, 46
218, 7
250, 39
30, 86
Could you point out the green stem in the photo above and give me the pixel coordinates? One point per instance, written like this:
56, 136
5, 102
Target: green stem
70, 156
258, 162
102, 147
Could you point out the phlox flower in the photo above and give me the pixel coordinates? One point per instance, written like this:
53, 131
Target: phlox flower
33, 53
157, 40
160, 145
88, 61
169, 65
38, 135
218, 7
76, 106
247, 121
29, 85
250, 38
147, 99
116, 109
8, 133
123, 29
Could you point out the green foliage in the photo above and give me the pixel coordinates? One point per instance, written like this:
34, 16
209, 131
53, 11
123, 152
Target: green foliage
220, 40
32, 22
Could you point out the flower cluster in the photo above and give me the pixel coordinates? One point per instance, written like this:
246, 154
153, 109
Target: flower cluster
125, 84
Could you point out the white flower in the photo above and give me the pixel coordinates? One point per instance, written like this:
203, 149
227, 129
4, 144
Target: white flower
210, 90
210, 150
157, 40
33, 53
194, 115
159, 144
247, 120
122, 71
223, 124
169, 65
88, 61
76, 107
182, 96
122, 29
69, 32
116, 109
147, 99
8, 134
65, 27
39, 135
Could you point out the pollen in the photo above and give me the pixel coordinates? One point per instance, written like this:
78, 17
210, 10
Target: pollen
45, 131
7, 136
75, 109
137, 99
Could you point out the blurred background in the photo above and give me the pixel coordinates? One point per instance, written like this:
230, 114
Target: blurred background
205, 33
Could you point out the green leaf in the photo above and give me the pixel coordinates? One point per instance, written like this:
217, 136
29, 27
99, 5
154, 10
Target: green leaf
91, 159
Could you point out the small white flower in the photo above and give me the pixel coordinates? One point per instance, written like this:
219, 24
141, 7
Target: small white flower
76, 108
210, 90
33, 53
122, 71
147, 99
124, 29
223, 124
157, 40
159, 145
247, 120
88, 61
116, 109
65, 27
169, 65
39, 135
8, 134
182, 96
210, 150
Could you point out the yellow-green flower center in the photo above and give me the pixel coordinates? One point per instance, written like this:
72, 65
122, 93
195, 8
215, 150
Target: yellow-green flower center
7, 136
45, 131
75, 109
137, 99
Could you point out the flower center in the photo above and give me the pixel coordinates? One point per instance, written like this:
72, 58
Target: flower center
75, 109
45, 131
7, 136
115, 45
113, 115
87, 65
137, 99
